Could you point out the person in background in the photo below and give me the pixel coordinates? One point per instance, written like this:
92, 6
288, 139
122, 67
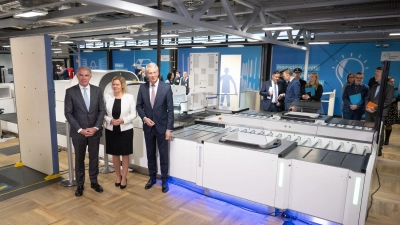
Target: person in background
318, 90
292, 90
270, 91
393, 112
177, 79
120, 112
349, 80
63, 74
372, 81
354, 111
142, 75
170, 78
185, 81
297, 74
283, 83
371, 113
158, 123
84, 110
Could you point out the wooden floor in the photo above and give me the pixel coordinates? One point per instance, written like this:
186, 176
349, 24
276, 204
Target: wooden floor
55, 204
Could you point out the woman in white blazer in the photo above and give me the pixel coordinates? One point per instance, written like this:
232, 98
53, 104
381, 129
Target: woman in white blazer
120, 112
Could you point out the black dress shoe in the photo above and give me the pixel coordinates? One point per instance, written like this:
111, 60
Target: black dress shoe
150, 183
124, 186
164, 187
118, 184
96, 187
79, 191
380, 153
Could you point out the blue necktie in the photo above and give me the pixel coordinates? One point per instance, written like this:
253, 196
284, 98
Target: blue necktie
86, 98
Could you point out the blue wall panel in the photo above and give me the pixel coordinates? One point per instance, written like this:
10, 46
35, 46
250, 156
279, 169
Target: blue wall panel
125, 60
334, 61
251, 62
96, 60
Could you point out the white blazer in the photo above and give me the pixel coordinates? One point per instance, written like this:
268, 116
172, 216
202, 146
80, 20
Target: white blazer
128, 111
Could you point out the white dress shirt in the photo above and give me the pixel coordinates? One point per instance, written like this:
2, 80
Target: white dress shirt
155, 89
87, 91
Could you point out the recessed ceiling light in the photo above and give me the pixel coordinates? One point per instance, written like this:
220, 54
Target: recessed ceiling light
57, 52
88, 51
93, 40
170, 48
6, 46
319, 43
394, 34
123, 38
169, 35
235, 46
66, 42
211, 42
124, 49
146, 49
278, 28
56, 49
169, 44
32, 13
252, 40
198, 47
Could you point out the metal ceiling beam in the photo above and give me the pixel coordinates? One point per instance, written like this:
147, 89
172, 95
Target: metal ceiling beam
80, 27
200, 12
180, 8
340, 19
11, 22
74, 12
314, 5
134, 8
230, 14
250, 20
360, 36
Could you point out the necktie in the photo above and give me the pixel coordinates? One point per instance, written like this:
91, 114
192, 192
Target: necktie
153, 95
275, 92
377, 90
357, 87
86, 99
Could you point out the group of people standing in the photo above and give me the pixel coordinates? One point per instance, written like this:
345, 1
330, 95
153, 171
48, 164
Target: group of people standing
286, 88
359, 99
86, 110
176, 79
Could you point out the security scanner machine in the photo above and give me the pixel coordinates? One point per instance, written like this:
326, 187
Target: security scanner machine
315, 165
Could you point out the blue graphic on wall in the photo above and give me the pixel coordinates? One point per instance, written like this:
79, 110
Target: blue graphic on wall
335, 61
251, 63
136, 59
96, 60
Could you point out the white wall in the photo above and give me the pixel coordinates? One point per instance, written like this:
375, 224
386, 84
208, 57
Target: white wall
5, 60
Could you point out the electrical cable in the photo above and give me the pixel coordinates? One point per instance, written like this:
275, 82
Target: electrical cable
379, 186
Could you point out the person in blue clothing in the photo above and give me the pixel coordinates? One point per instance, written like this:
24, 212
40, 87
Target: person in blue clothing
354, 110
226, 87
292, 90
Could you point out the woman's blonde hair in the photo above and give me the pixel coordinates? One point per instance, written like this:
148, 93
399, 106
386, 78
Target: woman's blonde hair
315, 85
123, 83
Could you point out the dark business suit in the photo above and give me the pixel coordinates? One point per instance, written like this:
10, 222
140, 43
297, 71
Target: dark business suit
185, 82
292, 92
349, 91
267, 100
64, 74
371, 117
162, 115
302, 87
80, 118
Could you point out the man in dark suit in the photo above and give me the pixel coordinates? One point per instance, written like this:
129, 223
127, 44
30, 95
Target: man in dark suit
185, 81
297, 75
155, 107
354, 111
84, 110
373, 81
63, 74
292, 90
177, 80
270, 91
371, 114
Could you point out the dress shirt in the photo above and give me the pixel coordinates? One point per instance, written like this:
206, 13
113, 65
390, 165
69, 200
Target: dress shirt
155, 88
83, 96
275, 92
377, 90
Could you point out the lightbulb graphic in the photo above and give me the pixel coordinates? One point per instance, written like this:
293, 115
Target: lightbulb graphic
343, 67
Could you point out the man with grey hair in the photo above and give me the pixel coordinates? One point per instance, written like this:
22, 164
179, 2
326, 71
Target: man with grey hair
292, 90
84, 110
155, 107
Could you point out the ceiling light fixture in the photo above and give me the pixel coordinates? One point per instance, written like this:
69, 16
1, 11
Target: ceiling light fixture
394, 34
278, 28
146, 49
235, 46
88, 51
170, 48
32, 13
169, 35
56, 49
252, 40
124, 49
123, 38
319, 43
66, 42
198, 47
57, 52
211, 42
93, 46
93, 40
6, 46
116, 46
